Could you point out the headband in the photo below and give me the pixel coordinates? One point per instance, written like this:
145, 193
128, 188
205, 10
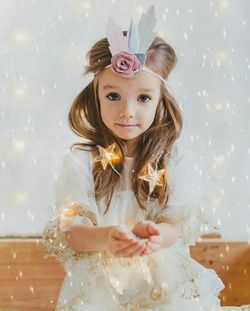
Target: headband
129, 53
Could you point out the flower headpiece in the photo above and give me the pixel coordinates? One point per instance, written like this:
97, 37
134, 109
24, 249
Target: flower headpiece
129, 53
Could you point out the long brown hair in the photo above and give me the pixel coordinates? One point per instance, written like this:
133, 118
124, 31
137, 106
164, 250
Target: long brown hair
85, 120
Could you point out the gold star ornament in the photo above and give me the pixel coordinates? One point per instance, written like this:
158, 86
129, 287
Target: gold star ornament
154, 177
107, 156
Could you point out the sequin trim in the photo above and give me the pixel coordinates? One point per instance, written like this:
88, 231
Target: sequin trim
53, 239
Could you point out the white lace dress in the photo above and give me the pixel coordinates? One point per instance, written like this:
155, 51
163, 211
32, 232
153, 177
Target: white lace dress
168, 279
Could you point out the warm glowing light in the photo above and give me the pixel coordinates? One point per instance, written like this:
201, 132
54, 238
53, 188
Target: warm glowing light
81, 7
220, 159
219, 106
18, 145
106, 155
86, 5
20, 92
20, 196
154, 177
222, 56
224, 4
215, 202
21, 37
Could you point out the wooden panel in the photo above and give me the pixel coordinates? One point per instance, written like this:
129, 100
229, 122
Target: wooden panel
231, 260
30, 282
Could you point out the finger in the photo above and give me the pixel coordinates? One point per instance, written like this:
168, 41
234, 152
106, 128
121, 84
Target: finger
119, 245
128, 250
156, 239
137, 251
146, 248
119, 234
152, 229
140, 229
141, 248
123, 244
131, 235
146, 252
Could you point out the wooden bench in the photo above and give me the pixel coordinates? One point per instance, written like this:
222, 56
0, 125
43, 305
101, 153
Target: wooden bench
31, 282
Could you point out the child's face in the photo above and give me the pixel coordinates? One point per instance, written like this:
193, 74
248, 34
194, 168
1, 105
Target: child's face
123, 102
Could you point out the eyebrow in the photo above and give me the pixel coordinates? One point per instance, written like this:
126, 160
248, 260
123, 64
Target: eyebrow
107, 87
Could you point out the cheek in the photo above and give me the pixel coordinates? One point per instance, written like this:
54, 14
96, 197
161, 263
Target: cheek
149, 116
106, 114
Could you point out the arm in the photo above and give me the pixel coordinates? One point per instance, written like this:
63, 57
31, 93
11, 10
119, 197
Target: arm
86, 238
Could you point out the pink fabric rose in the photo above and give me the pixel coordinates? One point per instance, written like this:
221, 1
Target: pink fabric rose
125, 63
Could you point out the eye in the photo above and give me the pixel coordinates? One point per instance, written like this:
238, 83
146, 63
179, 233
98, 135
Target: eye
113, 96
144, 98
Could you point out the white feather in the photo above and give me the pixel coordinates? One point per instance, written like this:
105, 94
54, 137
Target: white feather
146, 28
133, 39
115, 38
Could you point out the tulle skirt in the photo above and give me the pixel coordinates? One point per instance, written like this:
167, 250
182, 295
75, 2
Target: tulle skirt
163, 281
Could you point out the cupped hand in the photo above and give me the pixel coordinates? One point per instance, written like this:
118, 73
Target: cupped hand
145, 229
148, 229
153, 244
122, 244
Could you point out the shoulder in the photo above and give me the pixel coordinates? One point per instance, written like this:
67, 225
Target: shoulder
76, 156
79, 154
185, 168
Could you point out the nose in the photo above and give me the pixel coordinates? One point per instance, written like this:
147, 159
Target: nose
128, 110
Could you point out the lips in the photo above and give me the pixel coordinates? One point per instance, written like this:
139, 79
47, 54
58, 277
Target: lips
126, 125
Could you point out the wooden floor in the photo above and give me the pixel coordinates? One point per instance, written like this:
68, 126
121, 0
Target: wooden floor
30, 282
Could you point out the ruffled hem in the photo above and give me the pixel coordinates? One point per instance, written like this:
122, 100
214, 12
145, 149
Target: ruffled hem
198, 282
178, 283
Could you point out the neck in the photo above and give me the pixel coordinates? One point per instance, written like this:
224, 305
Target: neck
131, 148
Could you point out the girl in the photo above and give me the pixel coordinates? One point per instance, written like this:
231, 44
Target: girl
129, 198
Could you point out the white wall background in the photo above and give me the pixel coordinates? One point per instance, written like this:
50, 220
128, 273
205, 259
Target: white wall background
43, 43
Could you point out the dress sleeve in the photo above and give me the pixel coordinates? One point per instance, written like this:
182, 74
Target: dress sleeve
74, 205
189, 197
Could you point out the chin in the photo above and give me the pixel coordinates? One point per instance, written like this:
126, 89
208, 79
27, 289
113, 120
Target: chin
126, 137
126, 134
